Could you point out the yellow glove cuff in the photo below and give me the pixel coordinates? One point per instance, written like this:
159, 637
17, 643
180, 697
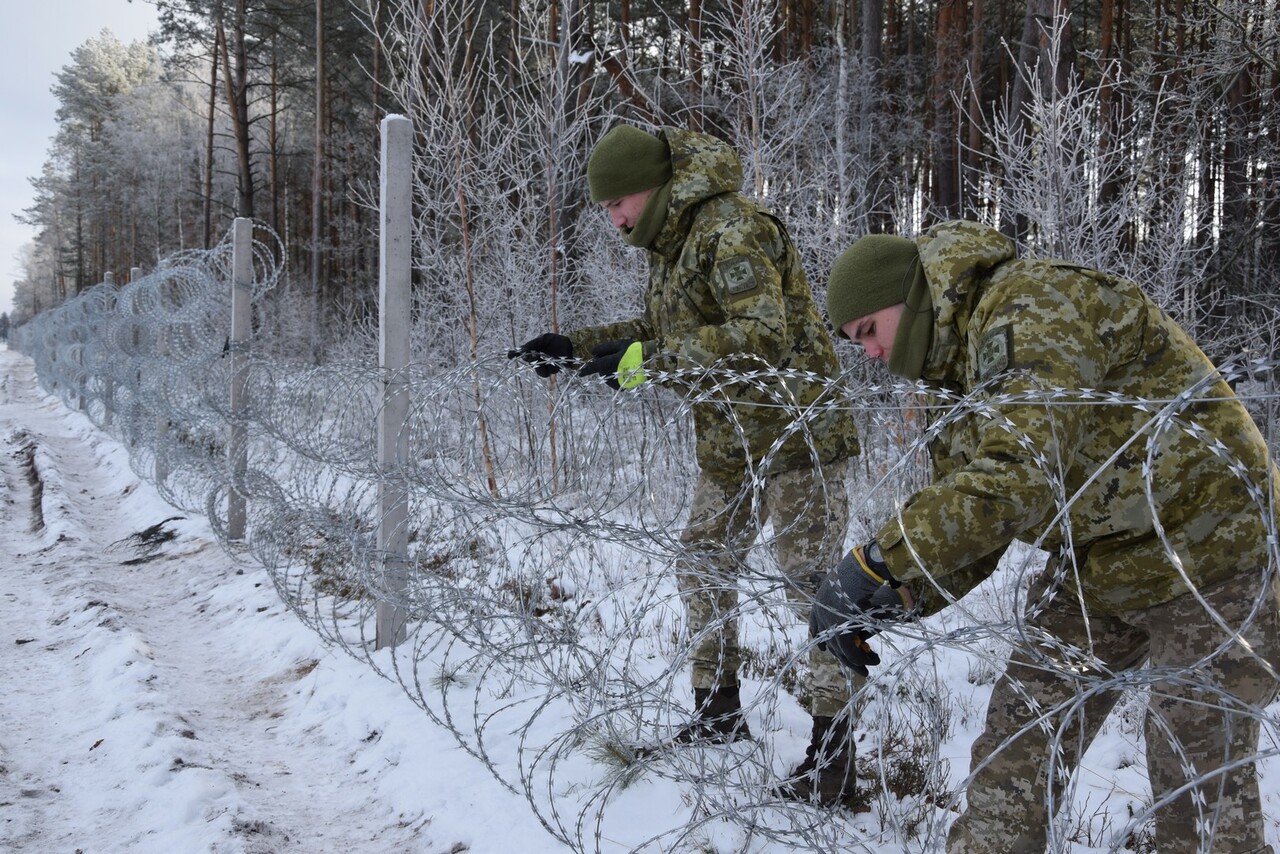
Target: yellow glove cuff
630, 374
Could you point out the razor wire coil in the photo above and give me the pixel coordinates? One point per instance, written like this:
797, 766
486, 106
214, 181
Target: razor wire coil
546, 633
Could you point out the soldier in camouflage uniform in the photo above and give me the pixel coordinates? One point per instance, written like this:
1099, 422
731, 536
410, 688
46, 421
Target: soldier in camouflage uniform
1161, 556
727, 292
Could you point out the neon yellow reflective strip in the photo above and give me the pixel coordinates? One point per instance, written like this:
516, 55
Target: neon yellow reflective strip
862, 561
630, 374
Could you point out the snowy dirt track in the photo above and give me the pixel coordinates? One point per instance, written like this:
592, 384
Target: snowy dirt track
158, 697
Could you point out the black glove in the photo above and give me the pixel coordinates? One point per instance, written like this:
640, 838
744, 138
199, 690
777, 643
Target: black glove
605, 360
545, 352
852, 597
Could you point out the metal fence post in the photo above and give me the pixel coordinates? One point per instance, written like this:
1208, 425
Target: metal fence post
395, 259
241, 318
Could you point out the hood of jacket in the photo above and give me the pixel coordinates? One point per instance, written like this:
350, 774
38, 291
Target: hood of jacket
957, 256
701, 167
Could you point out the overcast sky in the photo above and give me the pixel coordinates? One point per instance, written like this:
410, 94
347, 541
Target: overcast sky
39, 40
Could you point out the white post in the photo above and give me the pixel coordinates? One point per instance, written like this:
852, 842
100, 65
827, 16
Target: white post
82, 391
395, 259
160, 453
241, 318
109, 385
159, 371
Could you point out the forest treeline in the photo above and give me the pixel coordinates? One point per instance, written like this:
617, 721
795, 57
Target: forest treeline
1141, 137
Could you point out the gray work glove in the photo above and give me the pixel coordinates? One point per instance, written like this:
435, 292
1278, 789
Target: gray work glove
852, 598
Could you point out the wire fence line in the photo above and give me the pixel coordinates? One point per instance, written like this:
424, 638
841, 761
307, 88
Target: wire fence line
544, 626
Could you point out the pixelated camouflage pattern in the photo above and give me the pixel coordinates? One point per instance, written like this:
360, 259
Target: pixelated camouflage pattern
727, 289
1034, 326
1008, 810
810, 514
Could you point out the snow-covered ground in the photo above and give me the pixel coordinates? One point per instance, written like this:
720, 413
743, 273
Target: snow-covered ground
167, 702
160, 698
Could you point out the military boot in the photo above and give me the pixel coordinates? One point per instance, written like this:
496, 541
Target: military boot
827, 773
717, 719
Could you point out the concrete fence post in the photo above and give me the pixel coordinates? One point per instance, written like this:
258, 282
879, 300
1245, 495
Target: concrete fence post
395, 262
241, 319
83, 365
160, 369
109, 384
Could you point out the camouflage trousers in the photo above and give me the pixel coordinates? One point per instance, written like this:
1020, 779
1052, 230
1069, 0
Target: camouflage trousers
1197, 724
809, 511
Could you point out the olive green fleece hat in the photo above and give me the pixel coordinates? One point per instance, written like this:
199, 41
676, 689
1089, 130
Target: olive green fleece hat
871, 274
627, 160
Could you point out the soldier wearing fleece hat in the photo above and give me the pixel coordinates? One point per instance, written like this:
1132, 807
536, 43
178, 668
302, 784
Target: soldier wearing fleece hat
1094, 428
726, 291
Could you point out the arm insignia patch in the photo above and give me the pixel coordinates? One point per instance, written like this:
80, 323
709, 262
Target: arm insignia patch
995, 352
737, 276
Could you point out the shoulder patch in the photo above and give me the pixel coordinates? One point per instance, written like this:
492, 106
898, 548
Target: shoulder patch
737, 276
994, 353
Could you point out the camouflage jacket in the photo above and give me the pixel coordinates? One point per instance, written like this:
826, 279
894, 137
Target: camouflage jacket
727, 291
1044, 352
